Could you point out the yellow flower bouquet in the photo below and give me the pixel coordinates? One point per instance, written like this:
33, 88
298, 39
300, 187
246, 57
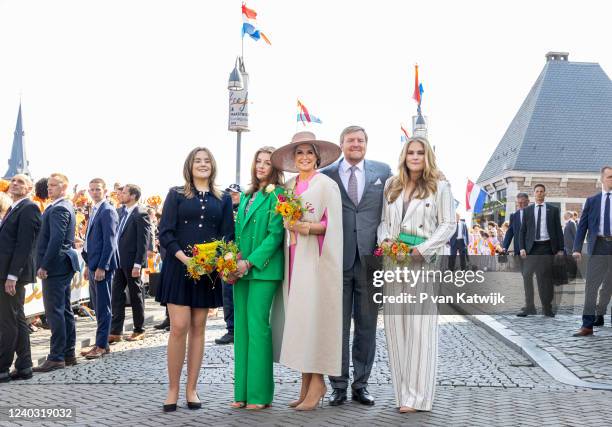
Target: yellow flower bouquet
203, 260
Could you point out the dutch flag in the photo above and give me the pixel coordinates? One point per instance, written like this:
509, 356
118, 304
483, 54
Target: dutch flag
475, 197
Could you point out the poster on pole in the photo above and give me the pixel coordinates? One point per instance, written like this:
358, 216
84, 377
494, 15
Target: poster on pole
33, 304
239, 107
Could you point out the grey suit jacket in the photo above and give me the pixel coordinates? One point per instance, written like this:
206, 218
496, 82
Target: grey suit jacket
569, 234
360, 222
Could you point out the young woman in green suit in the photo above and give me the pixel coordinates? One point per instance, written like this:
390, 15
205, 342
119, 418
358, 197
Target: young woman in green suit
259, 236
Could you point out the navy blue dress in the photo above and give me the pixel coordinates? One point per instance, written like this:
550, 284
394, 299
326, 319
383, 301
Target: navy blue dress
184, 223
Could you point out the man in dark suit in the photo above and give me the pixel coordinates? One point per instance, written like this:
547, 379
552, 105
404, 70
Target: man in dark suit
512, 236
133, 239
18, 232
541, 238
361, 184
228, 290
459, 243
57, 262
100, 255
569, 235
514, 227
597, 220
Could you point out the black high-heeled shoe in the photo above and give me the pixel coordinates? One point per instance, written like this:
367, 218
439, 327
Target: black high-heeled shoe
169, 407
194, 405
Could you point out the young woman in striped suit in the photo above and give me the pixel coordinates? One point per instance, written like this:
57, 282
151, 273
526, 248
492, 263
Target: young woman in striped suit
419, 209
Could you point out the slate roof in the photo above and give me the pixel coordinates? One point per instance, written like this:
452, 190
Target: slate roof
564, 124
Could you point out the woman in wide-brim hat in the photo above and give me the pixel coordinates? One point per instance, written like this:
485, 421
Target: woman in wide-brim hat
311, 294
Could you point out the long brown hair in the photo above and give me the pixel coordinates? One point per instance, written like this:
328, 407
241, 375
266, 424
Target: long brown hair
189, 188
426, 184
276, 176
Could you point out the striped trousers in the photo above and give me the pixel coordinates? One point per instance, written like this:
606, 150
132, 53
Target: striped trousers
411, 330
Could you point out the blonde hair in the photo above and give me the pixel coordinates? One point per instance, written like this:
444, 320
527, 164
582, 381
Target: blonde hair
426, 184
61, 178
276, 176
189, 188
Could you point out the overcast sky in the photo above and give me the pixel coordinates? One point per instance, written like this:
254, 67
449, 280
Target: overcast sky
124, 89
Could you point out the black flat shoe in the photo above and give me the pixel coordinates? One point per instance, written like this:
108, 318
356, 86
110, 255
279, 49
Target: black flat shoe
169, 407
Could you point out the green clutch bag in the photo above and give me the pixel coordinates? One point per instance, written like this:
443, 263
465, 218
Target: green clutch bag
411, 240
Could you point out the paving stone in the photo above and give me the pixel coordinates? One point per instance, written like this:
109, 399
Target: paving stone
481, 382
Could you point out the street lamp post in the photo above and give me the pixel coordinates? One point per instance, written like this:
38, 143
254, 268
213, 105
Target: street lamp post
238, 106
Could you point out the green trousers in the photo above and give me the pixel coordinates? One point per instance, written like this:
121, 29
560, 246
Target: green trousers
253, 376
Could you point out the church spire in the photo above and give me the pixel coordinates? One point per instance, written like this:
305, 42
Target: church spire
18, 163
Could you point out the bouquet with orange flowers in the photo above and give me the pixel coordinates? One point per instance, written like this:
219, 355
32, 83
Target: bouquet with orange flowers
203, 260
81, 200
114, 198
154, 201
290, 207
227, 261
4, 185
396, 250
81, 226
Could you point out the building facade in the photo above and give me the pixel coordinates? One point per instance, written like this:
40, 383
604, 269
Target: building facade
560, 137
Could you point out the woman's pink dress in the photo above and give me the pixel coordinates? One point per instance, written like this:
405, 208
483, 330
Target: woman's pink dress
300, 187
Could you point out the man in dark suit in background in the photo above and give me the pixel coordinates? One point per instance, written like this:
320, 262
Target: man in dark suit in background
228, 290
100, 255
361, 184
597, 220
569, 235
512, 236
514, 227
459, 243
133, 241
18, 232
541, 238
57, 262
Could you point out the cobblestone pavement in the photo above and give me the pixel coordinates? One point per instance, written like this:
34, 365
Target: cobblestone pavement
589, 358
481, 382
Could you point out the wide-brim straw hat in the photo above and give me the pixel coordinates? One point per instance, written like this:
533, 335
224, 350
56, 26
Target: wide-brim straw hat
284, 158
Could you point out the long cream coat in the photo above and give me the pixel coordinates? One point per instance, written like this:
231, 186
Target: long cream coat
308, 316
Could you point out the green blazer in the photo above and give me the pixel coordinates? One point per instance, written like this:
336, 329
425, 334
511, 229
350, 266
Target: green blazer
260, 234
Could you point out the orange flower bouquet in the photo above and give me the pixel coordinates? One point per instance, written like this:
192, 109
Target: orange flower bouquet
154, 201
114, 198
396, 250
82, 200
227, 261
4, 185
290, 207
203, 260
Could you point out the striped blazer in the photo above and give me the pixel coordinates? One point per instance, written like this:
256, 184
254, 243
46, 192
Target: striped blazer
432, 218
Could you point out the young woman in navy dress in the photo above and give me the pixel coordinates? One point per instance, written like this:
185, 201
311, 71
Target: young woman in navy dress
195, 213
